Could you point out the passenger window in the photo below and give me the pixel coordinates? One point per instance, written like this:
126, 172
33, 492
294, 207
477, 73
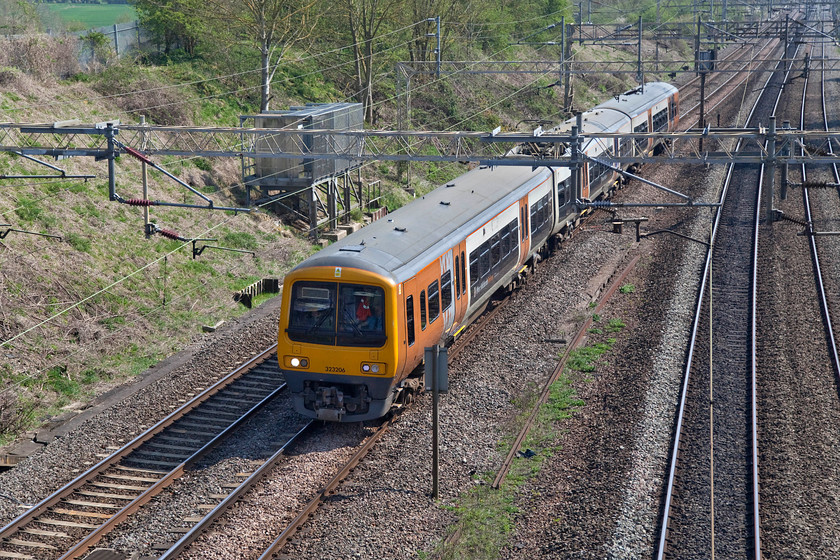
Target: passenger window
434, 301
457, 279
526, 223
485, 259
495, 250
409, 319
423, 310
474, 265
446, 290
463, 273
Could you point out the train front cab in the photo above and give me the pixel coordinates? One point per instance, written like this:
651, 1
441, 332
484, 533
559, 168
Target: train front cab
337, 343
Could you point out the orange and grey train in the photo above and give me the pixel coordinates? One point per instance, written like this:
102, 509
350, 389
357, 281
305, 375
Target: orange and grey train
357, 315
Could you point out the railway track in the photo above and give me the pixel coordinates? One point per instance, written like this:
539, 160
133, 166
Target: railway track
826, 290
70, 522
720, 85
712, 501
800, 408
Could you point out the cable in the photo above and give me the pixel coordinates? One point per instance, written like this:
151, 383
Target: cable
123, 279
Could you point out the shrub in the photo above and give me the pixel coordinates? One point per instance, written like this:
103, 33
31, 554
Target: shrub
15, 413
137, 91
41, 56
78, 242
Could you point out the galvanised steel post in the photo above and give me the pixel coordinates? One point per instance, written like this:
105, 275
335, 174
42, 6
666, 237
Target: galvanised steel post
112, 169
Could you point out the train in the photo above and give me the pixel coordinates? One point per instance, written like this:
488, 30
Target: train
357, 315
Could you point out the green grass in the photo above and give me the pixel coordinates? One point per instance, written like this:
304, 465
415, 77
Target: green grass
487, 517
92, 15
627, 289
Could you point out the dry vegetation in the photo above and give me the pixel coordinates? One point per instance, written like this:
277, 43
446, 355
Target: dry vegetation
80, 314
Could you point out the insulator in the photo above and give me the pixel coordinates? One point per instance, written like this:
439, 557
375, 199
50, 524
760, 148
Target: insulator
139, 202
817, 185
169, 233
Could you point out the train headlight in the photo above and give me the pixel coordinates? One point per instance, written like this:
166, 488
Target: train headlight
297, 362
373, 367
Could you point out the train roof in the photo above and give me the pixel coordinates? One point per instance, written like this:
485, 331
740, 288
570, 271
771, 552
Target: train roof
638, 99
393, 245
611, 114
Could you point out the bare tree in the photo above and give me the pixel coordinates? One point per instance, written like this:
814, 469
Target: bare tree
450, 11
274, 25
365, 18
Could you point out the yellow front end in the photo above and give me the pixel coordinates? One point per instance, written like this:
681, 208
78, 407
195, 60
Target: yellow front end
338, 342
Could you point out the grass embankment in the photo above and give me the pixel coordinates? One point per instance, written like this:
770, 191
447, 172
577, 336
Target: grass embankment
102, 304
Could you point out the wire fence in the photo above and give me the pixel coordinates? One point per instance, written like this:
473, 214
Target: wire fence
123, 39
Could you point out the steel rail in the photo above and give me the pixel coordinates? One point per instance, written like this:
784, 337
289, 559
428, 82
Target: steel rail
330, 487
826, 313
705, 278
115, 458
234, 496
734, 75
576, 341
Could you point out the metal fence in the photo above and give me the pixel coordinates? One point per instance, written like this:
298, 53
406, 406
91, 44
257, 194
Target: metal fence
124, 38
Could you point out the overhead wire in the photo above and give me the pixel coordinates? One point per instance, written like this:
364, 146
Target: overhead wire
226, 221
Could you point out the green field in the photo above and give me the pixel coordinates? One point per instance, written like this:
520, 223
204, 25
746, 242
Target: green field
88, 16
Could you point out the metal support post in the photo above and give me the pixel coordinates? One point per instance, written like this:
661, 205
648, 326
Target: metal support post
562, 50
770, 171
347, 200
313, 214
435, 423
697, 48
437, 381
702, 123
639, 73
786, 165
112, 169
437, 49
575, 159
144, 174
436, 35
567, 56
332, 202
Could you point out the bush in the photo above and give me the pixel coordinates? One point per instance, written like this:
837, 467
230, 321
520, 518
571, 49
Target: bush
137, 91
15, 413
41, 56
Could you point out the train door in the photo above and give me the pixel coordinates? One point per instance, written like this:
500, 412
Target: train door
447, 291
584, 180
411, 322
461, 301
524, 229
673, 111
